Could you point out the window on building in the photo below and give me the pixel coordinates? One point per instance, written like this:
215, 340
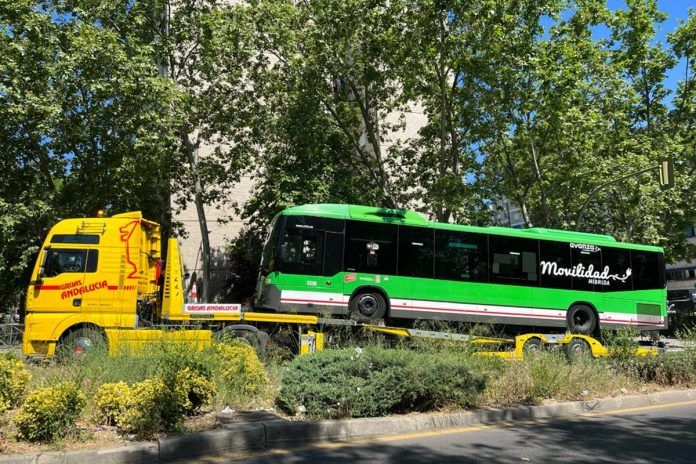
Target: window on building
461, 256
371, 247
513, 260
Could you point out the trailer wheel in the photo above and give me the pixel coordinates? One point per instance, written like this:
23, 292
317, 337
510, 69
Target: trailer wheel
533, 345
80, 342
577, 348
367, 306
581, 319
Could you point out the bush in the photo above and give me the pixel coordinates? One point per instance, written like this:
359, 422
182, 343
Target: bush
111, 400
155, 405
14, 378
197, 389
549, 375
241, 370
50, 413
152, 408
350, 383
669, 368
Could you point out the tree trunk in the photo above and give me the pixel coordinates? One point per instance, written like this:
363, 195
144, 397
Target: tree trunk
192, 158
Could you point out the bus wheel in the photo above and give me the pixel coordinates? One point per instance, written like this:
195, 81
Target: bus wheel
368, 307
577, 348
581, 319
80, 342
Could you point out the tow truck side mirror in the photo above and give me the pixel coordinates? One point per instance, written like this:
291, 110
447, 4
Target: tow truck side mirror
42, 267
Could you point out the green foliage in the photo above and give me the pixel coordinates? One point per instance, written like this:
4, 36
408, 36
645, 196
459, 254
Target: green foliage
676, 368
111, 400
241, 372
50, 413
548, 375
375, 382
622, 343
153, 407
14, 378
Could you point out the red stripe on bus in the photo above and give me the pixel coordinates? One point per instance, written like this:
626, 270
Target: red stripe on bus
429, 308
632, 322
297, 300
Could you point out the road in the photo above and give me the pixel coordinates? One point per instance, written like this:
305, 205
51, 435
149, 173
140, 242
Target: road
654, 434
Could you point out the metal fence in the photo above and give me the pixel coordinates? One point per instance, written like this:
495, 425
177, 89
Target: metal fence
11, 335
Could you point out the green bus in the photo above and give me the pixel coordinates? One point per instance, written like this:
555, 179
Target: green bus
373, 263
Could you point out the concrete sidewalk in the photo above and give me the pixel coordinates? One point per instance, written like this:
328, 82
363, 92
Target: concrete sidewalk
254, 436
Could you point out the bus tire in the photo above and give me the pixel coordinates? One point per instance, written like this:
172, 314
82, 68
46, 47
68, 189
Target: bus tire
368, 306
581, 319
82, 341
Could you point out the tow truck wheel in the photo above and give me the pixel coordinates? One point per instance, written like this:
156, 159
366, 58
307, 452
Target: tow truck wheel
577, 348
256, 339
80, 342
368, 306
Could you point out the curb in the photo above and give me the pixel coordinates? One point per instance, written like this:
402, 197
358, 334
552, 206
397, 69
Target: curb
254, 436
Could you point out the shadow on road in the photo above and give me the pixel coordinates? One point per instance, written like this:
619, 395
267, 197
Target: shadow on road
609, 439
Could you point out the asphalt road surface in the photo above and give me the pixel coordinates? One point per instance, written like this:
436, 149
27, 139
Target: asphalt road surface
653, 434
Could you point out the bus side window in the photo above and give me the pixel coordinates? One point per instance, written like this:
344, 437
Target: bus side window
416, 252
302, 252
555, 264
370, 247
461, 256
619, 262
589, 258
513, 260
646, 270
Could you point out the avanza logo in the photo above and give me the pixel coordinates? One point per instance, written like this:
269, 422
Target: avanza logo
579, 271
585, 247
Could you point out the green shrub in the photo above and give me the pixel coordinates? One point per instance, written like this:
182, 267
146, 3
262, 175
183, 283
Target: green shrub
549, 375
111, 400
197, 389
670, 368
14, 378
153, 408
240, 370
50, 413
375, 382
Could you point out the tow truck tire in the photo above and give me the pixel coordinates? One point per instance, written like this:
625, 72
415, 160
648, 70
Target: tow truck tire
80, 342
367, 306
581, 319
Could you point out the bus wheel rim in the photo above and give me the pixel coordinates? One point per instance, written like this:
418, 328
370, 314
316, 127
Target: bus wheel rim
367, 305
